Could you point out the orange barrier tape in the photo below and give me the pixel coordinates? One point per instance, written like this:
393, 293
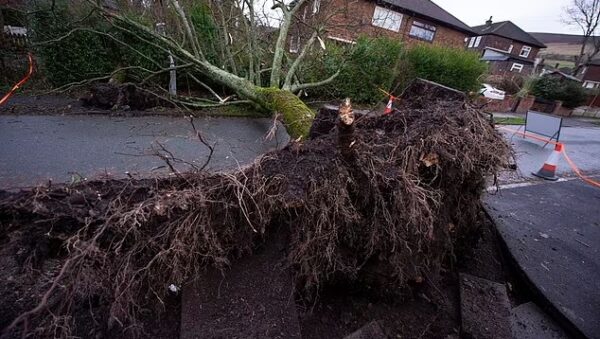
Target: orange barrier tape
574, 167
20, 83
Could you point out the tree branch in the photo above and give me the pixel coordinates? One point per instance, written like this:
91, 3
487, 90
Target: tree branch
287, 84
300, 87
284, 28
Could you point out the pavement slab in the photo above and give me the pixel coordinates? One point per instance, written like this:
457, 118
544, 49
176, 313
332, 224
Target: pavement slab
530, 322
552, 233
484, 308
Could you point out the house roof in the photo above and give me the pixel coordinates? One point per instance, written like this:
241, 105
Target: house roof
563, 74
593, 62
430, 10
549, 38
509, 30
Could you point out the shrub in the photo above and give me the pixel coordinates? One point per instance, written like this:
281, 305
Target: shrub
367, 66
451, 67
511, 84
84, 54
569, 92
79, 56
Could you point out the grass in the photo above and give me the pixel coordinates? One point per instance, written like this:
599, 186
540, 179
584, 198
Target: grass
509, 121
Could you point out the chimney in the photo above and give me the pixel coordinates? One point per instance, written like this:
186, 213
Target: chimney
489, 22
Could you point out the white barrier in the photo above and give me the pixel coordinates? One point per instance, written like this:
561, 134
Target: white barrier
543, 124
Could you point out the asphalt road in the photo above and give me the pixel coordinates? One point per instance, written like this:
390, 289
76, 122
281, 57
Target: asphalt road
34, 149
582, 145
552, 231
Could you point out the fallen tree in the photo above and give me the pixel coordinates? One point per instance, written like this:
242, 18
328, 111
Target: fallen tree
376, 200
241, 72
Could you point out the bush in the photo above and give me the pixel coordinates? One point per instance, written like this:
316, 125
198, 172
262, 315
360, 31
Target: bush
569, 92
83, 54
511, 84
451, 67
77, 57
367, 66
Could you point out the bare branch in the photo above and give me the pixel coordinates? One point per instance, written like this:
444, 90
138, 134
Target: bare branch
300, 87
292, 71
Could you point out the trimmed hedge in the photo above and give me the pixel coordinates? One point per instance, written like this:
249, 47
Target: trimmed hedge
456, 68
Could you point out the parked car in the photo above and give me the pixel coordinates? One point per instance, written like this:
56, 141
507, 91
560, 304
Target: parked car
492, 92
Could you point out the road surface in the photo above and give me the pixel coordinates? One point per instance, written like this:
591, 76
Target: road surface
582, 145
34, 149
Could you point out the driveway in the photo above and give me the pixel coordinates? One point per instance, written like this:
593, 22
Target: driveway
34, 149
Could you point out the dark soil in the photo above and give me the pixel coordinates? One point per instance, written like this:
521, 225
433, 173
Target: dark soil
378, 213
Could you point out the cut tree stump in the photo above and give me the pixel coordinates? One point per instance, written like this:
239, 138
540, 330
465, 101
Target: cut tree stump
253, 299
484, 309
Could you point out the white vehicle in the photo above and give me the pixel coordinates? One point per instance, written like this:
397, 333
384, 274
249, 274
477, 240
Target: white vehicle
492, 92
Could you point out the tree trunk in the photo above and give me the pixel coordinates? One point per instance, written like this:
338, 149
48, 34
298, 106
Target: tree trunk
297, 117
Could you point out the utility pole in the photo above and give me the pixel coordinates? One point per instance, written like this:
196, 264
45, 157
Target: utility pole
161, 29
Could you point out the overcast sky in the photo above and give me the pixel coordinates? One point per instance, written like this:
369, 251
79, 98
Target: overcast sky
530, 15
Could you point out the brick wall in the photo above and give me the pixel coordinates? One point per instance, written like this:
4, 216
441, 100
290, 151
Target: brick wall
349, 19
503, 68
592, 73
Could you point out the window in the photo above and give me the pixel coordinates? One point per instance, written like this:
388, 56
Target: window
583, 71
387, 19
422, 31
477, 41
472, 42
316, 6
525, 51
516, 67
591, 84
510, 49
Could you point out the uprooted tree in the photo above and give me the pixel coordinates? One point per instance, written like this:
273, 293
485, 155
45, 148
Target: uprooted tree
227, 53
382, 201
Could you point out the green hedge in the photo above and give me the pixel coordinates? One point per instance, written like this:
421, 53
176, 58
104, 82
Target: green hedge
83, 54
456, 68
384, 63
365, 67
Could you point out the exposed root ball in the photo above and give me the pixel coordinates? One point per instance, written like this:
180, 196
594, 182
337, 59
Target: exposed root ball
386, 210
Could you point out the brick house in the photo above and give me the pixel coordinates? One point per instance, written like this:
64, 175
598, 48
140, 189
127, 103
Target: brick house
507, 48
590, 74
410, 21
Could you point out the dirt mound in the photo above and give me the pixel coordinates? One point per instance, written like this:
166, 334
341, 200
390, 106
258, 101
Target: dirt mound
381, 202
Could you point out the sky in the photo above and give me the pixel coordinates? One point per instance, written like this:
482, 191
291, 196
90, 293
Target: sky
530, 15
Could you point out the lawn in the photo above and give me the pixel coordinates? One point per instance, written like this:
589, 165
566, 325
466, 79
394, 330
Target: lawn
509, 120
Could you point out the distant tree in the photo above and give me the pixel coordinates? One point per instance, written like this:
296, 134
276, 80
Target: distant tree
585, 14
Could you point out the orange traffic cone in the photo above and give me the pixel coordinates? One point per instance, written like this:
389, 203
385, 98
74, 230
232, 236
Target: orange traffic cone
548, 171
388, 108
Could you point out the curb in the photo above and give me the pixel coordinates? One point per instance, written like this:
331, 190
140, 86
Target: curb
536, 294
